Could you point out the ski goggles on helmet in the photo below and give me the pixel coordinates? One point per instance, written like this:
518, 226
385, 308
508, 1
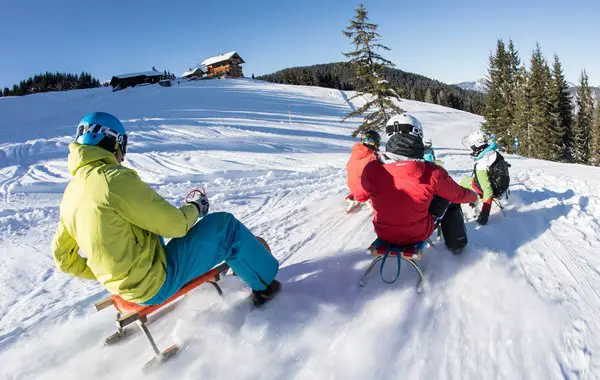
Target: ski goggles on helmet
105, 131
404, 128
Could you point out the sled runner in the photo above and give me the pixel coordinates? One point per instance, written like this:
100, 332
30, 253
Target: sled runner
129, 312
382, 250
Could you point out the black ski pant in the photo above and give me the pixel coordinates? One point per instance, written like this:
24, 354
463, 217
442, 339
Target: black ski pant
451, 219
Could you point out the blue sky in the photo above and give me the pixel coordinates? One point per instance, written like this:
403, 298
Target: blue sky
449, 40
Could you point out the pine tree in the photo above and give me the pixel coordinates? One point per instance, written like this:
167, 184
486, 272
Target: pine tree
555, 131
583, 121
494, 103
595, 146
510, 73
442, 98
369, 65
539, 79
560, 132
523, 112
429, 96
306, 78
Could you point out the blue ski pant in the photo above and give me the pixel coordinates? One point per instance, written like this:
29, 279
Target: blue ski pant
216, 238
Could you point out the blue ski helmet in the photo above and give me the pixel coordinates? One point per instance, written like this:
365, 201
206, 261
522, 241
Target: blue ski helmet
102, 129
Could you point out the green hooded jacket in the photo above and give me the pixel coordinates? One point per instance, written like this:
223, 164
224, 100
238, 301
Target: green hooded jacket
482, 166
116, 220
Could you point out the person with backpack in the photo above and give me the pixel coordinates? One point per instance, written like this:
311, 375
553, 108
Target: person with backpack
410, 196
118, 222
429, 154
362, 153
490, 177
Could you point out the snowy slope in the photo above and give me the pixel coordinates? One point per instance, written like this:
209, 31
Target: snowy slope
522, 302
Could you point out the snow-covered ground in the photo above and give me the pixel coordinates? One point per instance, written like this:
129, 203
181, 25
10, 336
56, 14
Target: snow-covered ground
522, 302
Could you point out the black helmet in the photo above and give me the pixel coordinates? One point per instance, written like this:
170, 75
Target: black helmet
371, 139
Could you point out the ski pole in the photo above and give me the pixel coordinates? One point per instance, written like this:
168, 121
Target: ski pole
501, 207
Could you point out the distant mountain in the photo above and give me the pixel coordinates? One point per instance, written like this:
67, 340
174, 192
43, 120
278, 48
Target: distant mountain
479, 85
595, 90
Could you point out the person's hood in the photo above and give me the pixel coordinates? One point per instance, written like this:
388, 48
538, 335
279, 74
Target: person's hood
360, 151
405, 144
82, 155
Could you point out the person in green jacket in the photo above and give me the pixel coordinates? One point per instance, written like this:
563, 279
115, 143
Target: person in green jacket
484, 155
118, 222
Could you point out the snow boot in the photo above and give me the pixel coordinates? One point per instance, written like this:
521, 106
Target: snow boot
260, 297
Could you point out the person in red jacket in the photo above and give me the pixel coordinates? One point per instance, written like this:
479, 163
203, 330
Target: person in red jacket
363, 152
407, 191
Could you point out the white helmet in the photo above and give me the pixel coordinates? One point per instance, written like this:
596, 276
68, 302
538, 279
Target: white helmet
404, 123
427, 143
477, 140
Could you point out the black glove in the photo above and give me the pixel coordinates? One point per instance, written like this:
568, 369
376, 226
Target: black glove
482, 219
485, 213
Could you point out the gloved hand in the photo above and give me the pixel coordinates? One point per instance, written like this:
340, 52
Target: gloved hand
198, 198
485, 212
474, 204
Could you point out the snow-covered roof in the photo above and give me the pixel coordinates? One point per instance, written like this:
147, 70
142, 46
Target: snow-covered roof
146, 73
219, 58
191, 72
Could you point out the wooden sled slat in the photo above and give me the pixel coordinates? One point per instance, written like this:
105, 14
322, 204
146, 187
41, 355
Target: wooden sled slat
103, 304
132, 311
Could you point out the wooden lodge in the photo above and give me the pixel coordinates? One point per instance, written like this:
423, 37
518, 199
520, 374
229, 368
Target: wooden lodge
119, 82
193, 73
224, 65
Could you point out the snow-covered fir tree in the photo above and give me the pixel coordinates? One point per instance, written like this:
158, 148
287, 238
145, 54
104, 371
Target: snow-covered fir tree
583, 121
522, 121
539, 81
369, 64
595, 143
509, 92
494, 82
560, 132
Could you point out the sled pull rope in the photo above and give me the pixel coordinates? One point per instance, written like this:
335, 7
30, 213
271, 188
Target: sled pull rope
385, 256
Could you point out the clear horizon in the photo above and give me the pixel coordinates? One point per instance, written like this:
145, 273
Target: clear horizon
450, 43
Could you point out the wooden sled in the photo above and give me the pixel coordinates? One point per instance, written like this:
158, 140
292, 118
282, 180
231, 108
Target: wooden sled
129, 312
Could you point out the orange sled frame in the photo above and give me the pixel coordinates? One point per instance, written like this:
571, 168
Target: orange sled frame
128, 313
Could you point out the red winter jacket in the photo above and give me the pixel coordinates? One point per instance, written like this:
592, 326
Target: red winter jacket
359, 158
401, 193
